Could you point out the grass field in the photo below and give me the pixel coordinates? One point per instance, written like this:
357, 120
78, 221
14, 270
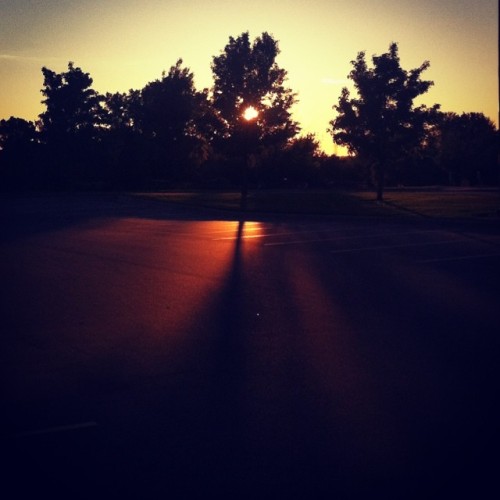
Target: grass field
419, 202
447, 202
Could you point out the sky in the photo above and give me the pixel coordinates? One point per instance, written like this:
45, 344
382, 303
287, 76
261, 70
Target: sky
124, 44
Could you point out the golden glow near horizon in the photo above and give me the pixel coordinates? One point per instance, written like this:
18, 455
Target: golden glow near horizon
250, 113
125, 44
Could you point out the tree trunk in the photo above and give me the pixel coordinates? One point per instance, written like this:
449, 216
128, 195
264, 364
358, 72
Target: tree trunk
244, 183
379, 179
380, 191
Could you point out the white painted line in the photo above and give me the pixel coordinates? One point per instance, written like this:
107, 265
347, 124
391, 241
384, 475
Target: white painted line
231, 230
464, 257
309, 231
288, 233
242, 237
55, 430
404, 245
342, 238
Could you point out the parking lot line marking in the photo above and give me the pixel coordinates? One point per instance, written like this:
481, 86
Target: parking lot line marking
247, 228
58, 429
463, 257
339, 238
403, 245
242, 237
267, 235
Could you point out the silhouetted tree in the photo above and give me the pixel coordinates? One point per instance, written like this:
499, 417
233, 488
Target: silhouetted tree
246, 74
381, 124
468, 148
73, 107
120, 109
301, 161
69, 127
123, 148
18, 143
177, 119
342, 171
15, 133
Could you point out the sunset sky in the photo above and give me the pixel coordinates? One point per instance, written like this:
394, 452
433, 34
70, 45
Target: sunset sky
125, 44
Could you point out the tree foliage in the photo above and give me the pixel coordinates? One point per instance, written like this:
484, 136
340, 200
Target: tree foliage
169, 122
168, 105
120, 110
381, 124
467, 148
18, 148
73, 107
16, 133
168, 133
247, 74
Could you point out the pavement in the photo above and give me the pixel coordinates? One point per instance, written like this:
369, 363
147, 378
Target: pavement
152, 350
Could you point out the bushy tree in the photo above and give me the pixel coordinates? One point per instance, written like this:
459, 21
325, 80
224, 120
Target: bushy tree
246, 74
69, 128
18, 147
167, 105
301, 161
381, 124
467, 148
120, 110
73, 107
177, 119
123, 150
162, 132
16, 133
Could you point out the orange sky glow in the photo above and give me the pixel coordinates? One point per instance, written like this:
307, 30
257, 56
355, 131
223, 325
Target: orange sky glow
124, 44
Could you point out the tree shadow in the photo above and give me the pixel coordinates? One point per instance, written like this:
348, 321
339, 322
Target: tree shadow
226, 371
229, 356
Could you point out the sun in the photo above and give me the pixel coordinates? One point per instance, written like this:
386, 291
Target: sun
250, 113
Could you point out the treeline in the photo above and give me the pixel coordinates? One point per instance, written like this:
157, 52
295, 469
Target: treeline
169, 134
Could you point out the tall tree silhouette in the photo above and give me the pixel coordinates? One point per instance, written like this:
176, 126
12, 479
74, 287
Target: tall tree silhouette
69, 126
176, 118
247, 74
123, 149
73, 107
381, 124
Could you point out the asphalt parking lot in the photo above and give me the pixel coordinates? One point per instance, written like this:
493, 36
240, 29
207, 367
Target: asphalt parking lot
156, 349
